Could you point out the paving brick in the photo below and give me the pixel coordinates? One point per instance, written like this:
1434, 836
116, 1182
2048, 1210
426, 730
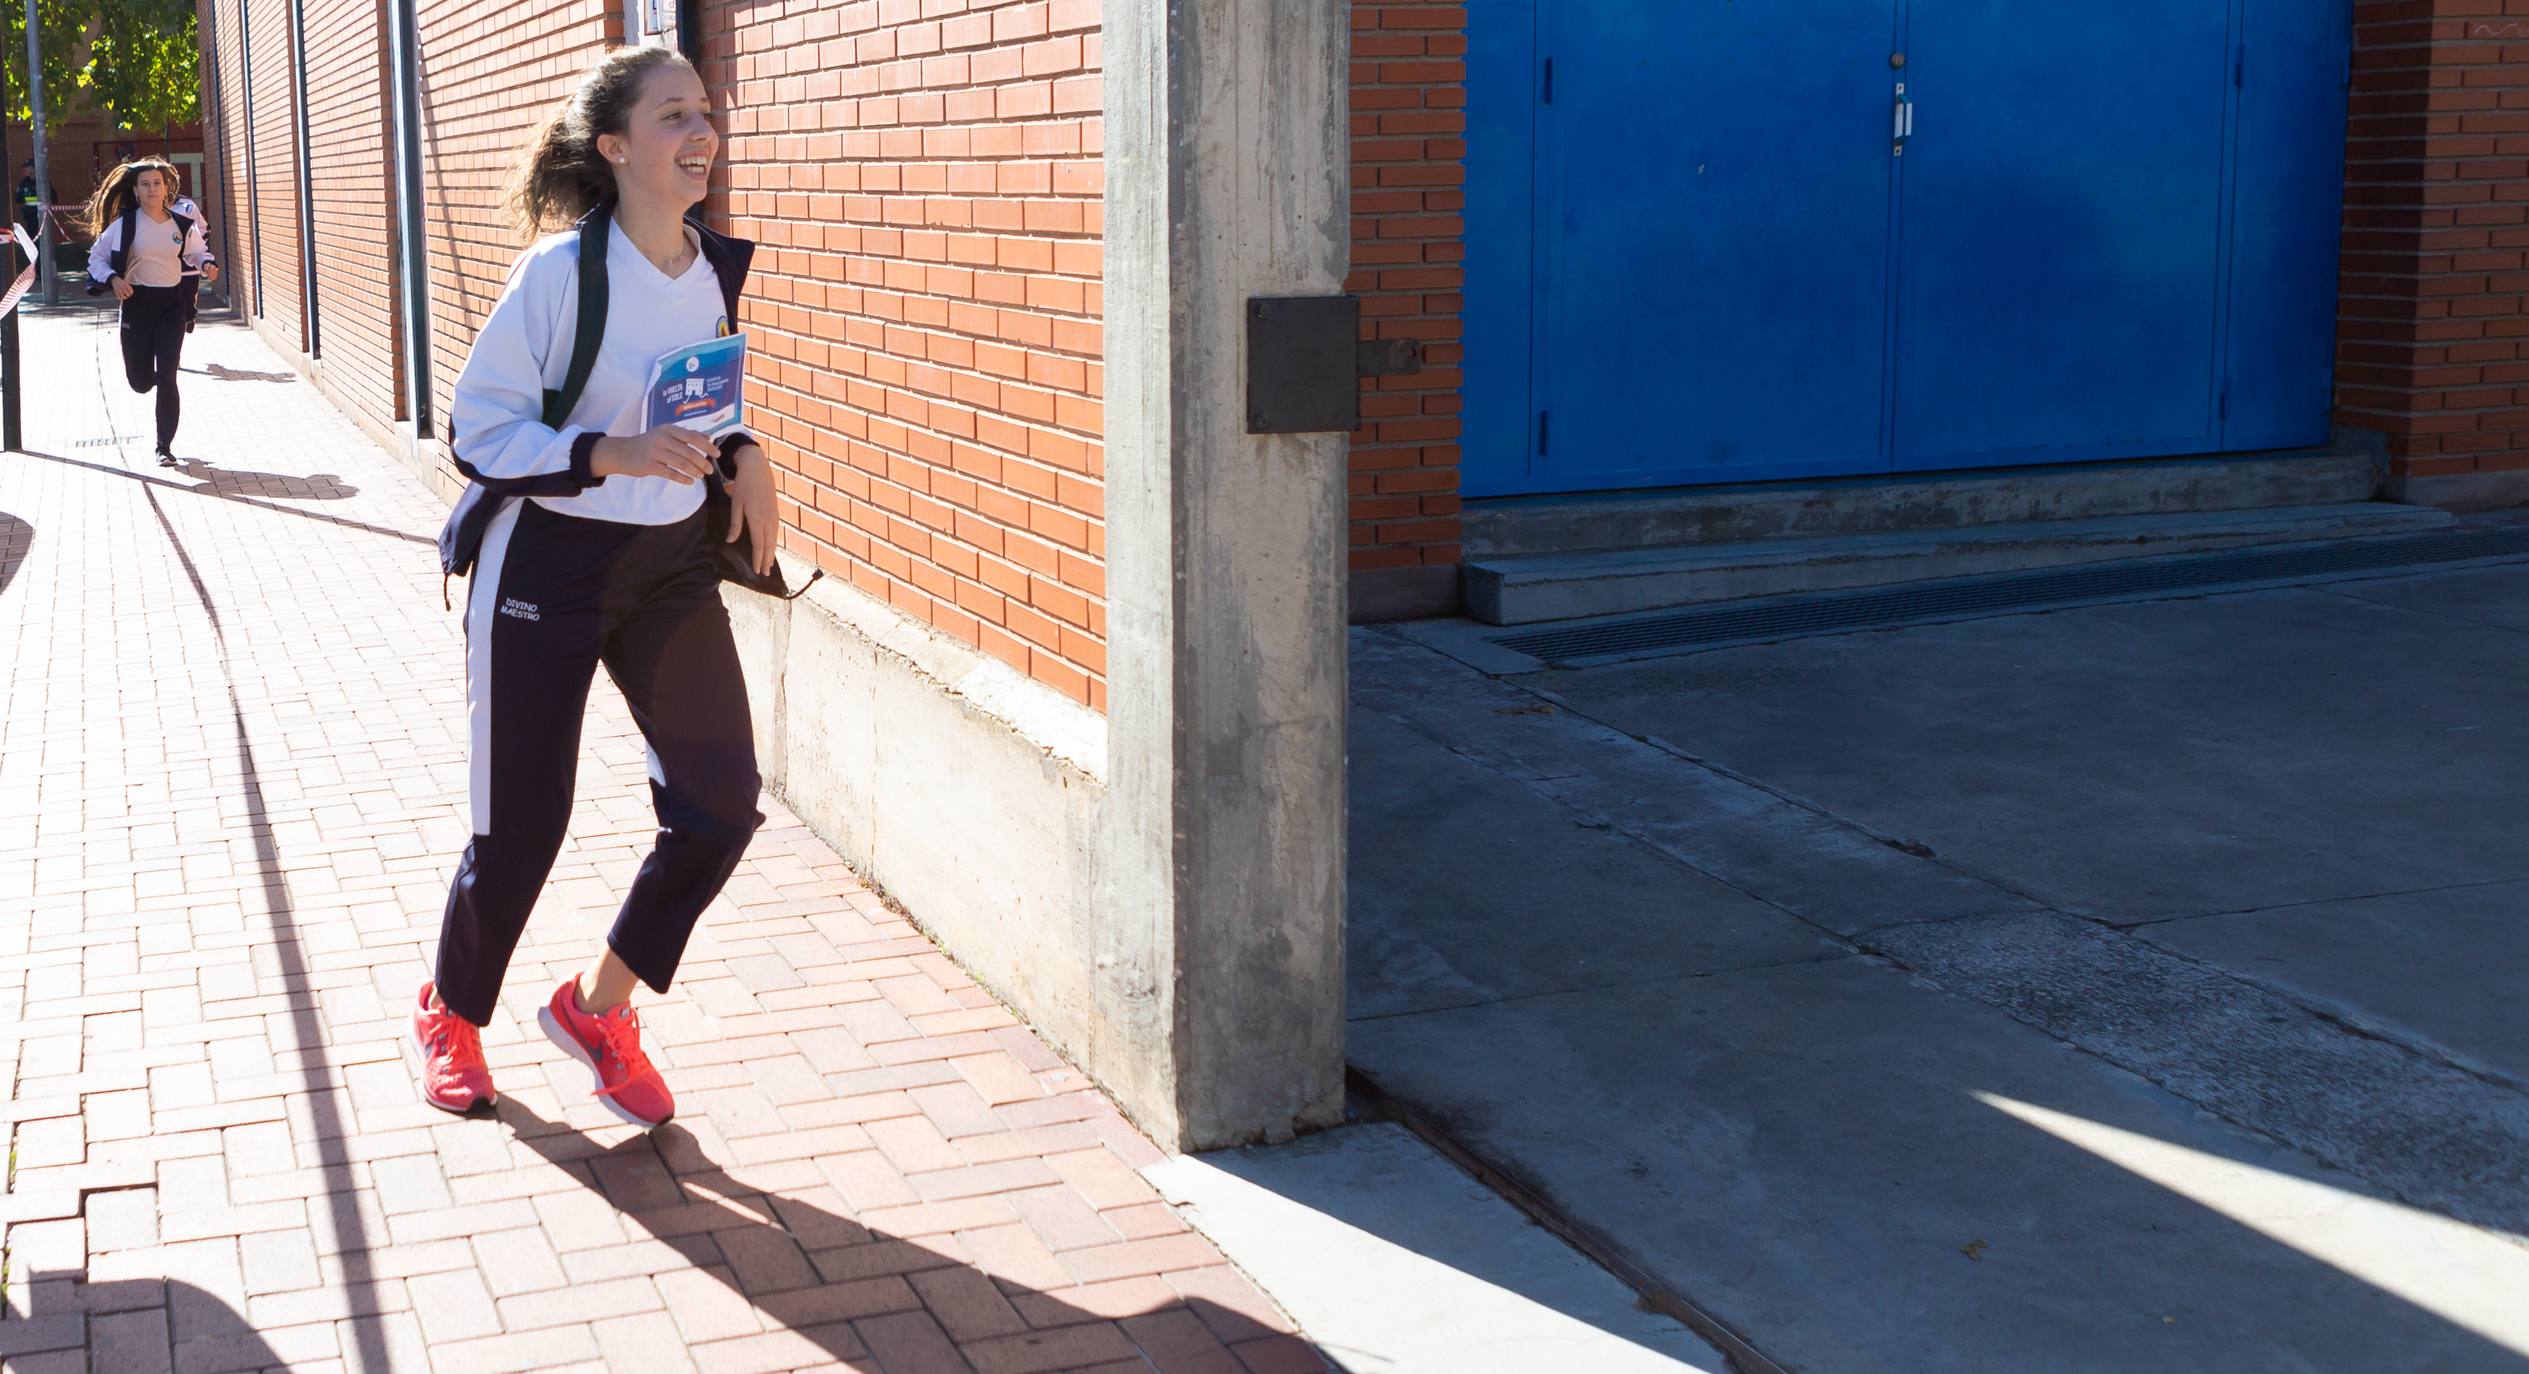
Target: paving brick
514, 1262
1141, 1223
1228, 1303
1061, 1218
911, 1343
279, 1262
968, 1305
584, 1302
59, 1331
454, 1306
649, 1341
1178, 1342
707, 1306
1115, 1298
410, 1183
1033, 1352
328, 1304
1155, 1256
833, 1302
1014, 1255
520, 1350
867, 1181
578, 1221
665, 1256
1102, 1178
202, 1014
979, 1180
1279, 1355
780, 1350
883, 1257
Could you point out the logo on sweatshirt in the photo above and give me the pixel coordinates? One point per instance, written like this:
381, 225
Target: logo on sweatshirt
524, 610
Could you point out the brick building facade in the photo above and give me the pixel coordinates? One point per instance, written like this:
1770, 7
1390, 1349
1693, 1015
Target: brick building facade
926, 180
1045, 623
2433, 335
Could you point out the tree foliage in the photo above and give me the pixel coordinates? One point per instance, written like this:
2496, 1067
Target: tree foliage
135, 60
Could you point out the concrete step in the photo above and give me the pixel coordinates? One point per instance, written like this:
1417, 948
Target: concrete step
1521, 591
1530, 526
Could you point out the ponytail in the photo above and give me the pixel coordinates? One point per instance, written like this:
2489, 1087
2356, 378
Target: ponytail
563, 175
117, 193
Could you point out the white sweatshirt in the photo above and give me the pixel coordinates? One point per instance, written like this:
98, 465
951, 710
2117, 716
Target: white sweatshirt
496, 422
156, 259
184, 206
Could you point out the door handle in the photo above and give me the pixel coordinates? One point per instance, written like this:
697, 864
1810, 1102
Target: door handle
1904, 120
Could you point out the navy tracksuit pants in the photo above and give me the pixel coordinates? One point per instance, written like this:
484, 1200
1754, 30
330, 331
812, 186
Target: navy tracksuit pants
152, 331
552, 597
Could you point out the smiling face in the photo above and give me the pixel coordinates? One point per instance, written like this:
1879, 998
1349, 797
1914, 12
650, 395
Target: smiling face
664, 153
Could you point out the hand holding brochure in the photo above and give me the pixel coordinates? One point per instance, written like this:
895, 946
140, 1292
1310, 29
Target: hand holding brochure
700, 386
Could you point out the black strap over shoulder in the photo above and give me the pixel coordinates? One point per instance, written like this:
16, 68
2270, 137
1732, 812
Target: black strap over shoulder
589, 333
121, 256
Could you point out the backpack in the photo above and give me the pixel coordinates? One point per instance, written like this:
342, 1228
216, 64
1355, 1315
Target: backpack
131, 224
461, 539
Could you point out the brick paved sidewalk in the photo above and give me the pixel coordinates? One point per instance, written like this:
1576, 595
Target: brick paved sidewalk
231, 773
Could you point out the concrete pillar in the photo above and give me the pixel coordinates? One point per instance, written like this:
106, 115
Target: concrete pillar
1222, 845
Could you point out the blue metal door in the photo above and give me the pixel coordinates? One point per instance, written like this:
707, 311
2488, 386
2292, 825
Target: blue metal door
1711, 231
1705, 247
2294, 66
2060, 277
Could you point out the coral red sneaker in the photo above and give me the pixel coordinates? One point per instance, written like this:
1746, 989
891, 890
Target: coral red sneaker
453, 1075
610, 1045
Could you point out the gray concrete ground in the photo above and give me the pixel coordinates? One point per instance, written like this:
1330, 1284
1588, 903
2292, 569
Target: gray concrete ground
2126, 987
1400, 1263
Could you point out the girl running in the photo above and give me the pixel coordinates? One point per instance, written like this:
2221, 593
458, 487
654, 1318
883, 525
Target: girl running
598, 553
144, 251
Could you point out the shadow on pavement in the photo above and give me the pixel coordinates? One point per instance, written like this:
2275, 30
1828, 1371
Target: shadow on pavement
323, 487
71, 1326
224, 373
17, 540
217, 480
844, 1288
338, 1218
840, 1289
1883, 1123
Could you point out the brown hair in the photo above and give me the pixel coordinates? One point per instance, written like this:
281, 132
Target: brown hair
563, 175
119, 191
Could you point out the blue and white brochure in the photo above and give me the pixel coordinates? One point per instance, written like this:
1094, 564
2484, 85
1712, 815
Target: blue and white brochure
700, 386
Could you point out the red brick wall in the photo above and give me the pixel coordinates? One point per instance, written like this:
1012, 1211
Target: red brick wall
276, 170
82, 148
2433, 345
354, 248
490, 73
924, 177
232, 234
1408, 200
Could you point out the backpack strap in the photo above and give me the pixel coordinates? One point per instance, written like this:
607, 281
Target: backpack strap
590, 330
729, 258
131, 223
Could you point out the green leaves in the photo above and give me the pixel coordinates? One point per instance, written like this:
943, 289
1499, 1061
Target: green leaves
134, 59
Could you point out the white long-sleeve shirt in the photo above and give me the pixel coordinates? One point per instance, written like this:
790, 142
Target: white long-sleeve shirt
157, 257
496, 421
184, 206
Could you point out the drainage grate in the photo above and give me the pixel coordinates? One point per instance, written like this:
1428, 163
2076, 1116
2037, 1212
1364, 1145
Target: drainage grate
98, 443
1783, 619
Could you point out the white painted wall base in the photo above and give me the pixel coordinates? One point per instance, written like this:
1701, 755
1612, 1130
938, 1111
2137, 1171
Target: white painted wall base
973, 796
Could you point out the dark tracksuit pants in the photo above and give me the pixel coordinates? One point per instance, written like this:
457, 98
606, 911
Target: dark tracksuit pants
152, 331
552, 597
